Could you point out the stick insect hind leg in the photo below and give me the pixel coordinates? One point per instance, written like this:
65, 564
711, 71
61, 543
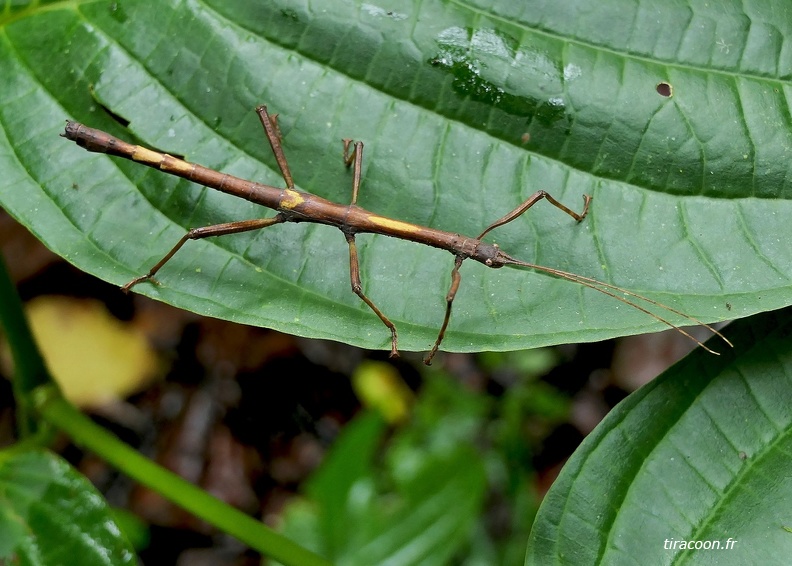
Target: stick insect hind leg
272, 132
456, 278
355, 160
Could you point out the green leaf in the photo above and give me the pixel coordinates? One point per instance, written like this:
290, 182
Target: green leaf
348, 464
426, 517
701, 454
466, 110
50, 514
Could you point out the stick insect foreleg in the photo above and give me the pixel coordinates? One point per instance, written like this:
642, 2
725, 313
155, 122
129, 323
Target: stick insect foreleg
455, 275
532, 200
456, 278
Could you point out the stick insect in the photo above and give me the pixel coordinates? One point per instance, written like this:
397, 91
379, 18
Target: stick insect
293, 205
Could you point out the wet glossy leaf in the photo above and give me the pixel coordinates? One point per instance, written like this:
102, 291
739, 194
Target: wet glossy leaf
700, 455
466, 110
50, 514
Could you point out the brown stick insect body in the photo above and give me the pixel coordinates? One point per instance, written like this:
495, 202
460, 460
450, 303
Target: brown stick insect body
294, 205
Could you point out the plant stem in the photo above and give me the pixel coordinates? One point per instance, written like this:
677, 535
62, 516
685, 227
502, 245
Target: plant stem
30, 371
56, 410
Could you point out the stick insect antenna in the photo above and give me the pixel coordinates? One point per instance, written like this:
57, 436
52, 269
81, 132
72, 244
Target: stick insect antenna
611, 290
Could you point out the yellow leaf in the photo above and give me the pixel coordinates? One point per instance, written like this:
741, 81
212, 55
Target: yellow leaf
380, 386
94, 357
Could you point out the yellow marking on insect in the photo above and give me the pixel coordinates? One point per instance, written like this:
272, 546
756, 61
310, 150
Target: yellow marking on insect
143, 155
395, 225
171, 164
163, 161
291, 199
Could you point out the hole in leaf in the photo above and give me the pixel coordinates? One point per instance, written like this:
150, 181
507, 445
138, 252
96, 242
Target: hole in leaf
665, 89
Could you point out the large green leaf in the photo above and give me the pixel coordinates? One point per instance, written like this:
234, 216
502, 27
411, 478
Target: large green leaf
700, 457
466, 109
50, 514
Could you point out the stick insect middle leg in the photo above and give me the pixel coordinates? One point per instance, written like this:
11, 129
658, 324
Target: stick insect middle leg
456, 277
355, 160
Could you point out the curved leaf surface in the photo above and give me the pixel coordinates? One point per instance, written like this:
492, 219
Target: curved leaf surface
50, 514
700, 455
466, 108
